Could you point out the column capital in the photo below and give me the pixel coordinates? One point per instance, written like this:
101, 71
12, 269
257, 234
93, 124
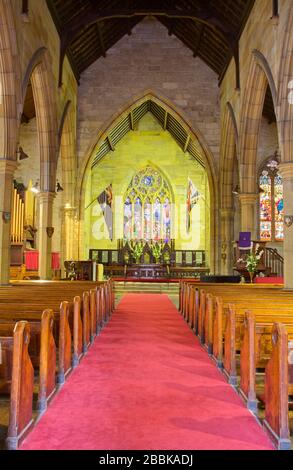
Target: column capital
69, 209
248, 198
46, 196
286, 169
8, 166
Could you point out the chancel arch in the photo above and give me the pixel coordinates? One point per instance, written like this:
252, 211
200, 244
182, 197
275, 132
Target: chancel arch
145, 137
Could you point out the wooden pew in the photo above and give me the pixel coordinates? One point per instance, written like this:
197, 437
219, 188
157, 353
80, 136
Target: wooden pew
276, 390
65, 343
233, 336
77, 332
256, 349
86, 331
251, 330
93, 315
70, 340
47, 370
21, 384
43, 356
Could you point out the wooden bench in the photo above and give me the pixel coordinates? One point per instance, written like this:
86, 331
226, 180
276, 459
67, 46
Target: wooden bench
276, 390
226, 329
42, 350
19, 379
78, 323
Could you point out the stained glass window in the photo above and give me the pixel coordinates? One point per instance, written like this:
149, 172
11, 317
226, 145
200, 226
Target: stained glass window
166, 220
147, 219
147, 207
271, 203
128, 219
279, 208
137, 226
157, 219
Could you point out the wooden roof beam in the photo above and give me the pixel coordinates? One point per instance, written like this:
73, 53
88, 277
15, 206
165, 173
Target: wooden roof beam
165, 121
112, 147
101, 39
93, 15
201, 32
186, 143
131, 120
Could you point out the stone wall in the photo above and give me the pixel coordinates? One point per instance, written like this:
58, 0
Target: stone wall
148, 60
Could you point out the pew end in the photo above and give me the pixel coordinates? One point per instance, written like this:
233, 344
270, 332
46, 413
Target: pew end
22, 385
276, 422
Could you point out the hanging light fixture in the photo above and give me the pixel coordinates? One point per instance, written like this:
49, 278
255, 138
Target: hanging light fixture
35, 188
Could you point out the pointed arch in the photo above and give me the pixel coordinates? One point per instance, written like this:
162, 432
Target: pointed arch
9, 82
194, 136
259, 77
229, 152
285, 93
40, 74
66, 139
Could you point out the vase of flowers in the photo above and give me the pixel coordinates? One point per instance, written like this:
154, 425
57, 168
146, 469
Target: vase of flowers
137, 251
157, 249
251, 263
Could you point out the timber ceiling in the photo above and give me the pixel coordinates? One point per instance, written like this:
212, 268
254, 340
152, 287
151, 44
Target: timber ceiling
209, 28
166, 120
89, 28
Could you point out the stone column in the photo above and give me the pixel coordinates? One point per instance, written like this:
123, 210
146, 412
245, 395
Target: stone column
69, 235
7, 168
286, 170
45, 233
226, 249
249, 208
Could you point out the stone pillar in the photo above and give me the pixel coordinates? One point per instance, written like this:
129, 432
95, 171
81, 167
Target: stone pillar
286, 170
249, 208
7, 168
227, 226
45, 233
69, 235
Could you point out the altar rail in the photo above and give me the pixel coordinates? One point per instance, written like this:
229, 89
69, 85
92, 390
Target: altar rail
154, 271
180, 258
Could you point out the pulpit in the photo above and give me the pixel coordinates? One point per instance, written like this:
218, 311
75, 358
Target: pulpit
79, 270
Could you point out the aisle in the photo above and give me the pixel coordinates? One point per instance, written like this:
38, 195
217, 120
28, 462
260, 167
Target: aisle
147, 384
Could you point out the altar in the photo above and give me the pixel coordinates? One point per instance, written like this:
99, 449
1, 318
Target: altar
145, 260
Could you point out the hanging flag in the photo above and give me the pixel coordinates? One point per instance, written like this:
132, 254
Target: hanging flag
192, 198
105, 200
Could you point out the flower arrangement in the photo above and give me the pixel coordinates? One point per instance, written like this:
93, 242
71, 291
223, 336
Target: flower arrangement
156, 249
137, 250
251, 261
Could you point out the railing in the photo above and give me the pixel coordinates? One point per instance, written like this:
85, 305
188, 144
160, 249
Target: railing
273, 261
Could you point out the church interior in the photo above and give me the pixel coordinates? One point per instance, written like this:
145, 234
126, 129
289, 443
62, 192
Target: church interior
146, 226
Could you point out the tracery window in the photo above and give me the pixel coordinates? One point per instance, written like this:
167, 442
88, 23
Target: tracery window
271, 202
147, 207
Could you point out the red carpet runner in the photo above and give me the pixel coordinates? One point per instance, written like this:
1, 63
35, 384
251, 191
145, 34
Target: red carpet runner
147, 384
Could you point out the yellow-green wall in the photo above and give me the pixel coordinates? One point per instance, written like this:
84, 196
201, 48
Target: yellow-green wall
149, 145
